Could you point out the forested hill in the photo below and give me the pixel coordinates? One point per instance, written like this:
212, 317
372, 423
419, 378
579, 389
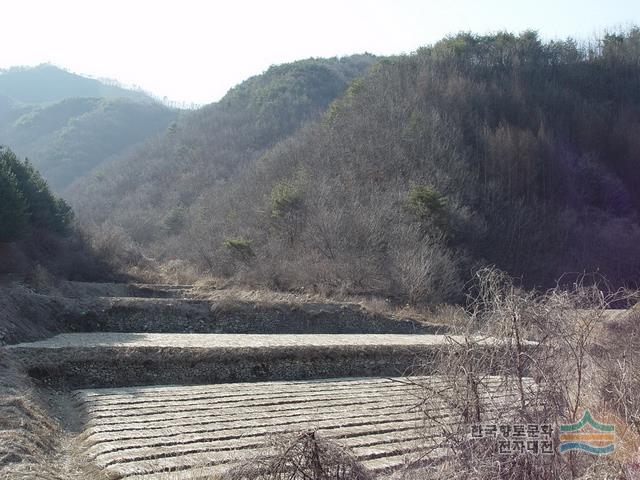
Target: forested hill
68, 124
477, 150
148, 192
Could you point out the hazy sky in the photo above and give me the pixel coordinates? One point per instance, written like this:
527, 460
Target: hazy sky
194, 51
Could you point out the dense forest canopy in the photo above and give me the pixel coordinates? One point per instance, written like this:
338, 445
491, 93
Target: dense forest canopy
498, 149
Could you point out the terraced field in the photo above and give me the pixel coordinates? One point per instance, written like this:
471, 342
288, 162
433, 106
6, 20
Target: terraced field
177, 401
178, 432
227, 341
131, 359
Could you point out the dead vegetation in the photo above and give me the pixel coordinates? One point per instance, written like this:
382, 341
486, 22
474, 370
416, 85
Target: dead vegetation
25, 427
228, 293
301, 456
27, 315
32, 443
563, 352
581, 361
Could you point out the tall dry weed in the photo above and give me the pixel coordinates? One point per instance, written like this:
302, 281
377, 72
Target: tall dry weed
533, 358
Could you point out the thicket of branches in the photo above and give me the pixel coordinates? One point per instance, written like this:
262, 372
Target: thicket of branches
498, 149
559, 353
301, 456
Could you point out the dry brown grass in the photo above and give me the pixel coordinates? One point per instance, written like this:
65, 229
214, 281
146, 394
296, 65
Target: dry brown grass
33, 444
585, 358
231, 290
27, 433
228, 294
175, 272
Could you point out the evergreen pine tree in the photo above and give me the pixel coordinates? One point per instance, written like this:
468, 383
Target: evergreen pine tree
13, 208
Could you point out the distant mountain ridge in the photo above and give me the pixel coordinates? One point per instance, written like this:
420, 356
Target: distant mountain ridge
67, 124
49, 83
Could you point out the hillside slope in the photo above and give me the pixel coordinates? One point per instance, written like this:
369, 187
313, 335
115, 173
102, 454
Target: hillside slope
477, 150
147, 193
67, 124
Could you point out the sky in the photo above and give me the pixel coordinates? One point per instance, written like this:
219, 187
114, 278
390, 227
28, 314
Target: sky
193, 51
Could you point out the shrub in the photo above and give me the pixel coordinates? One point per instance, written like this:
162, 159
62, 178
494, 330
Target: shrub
285, 198
301, 456
427, 273
427, 206
174, 220
240, 248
